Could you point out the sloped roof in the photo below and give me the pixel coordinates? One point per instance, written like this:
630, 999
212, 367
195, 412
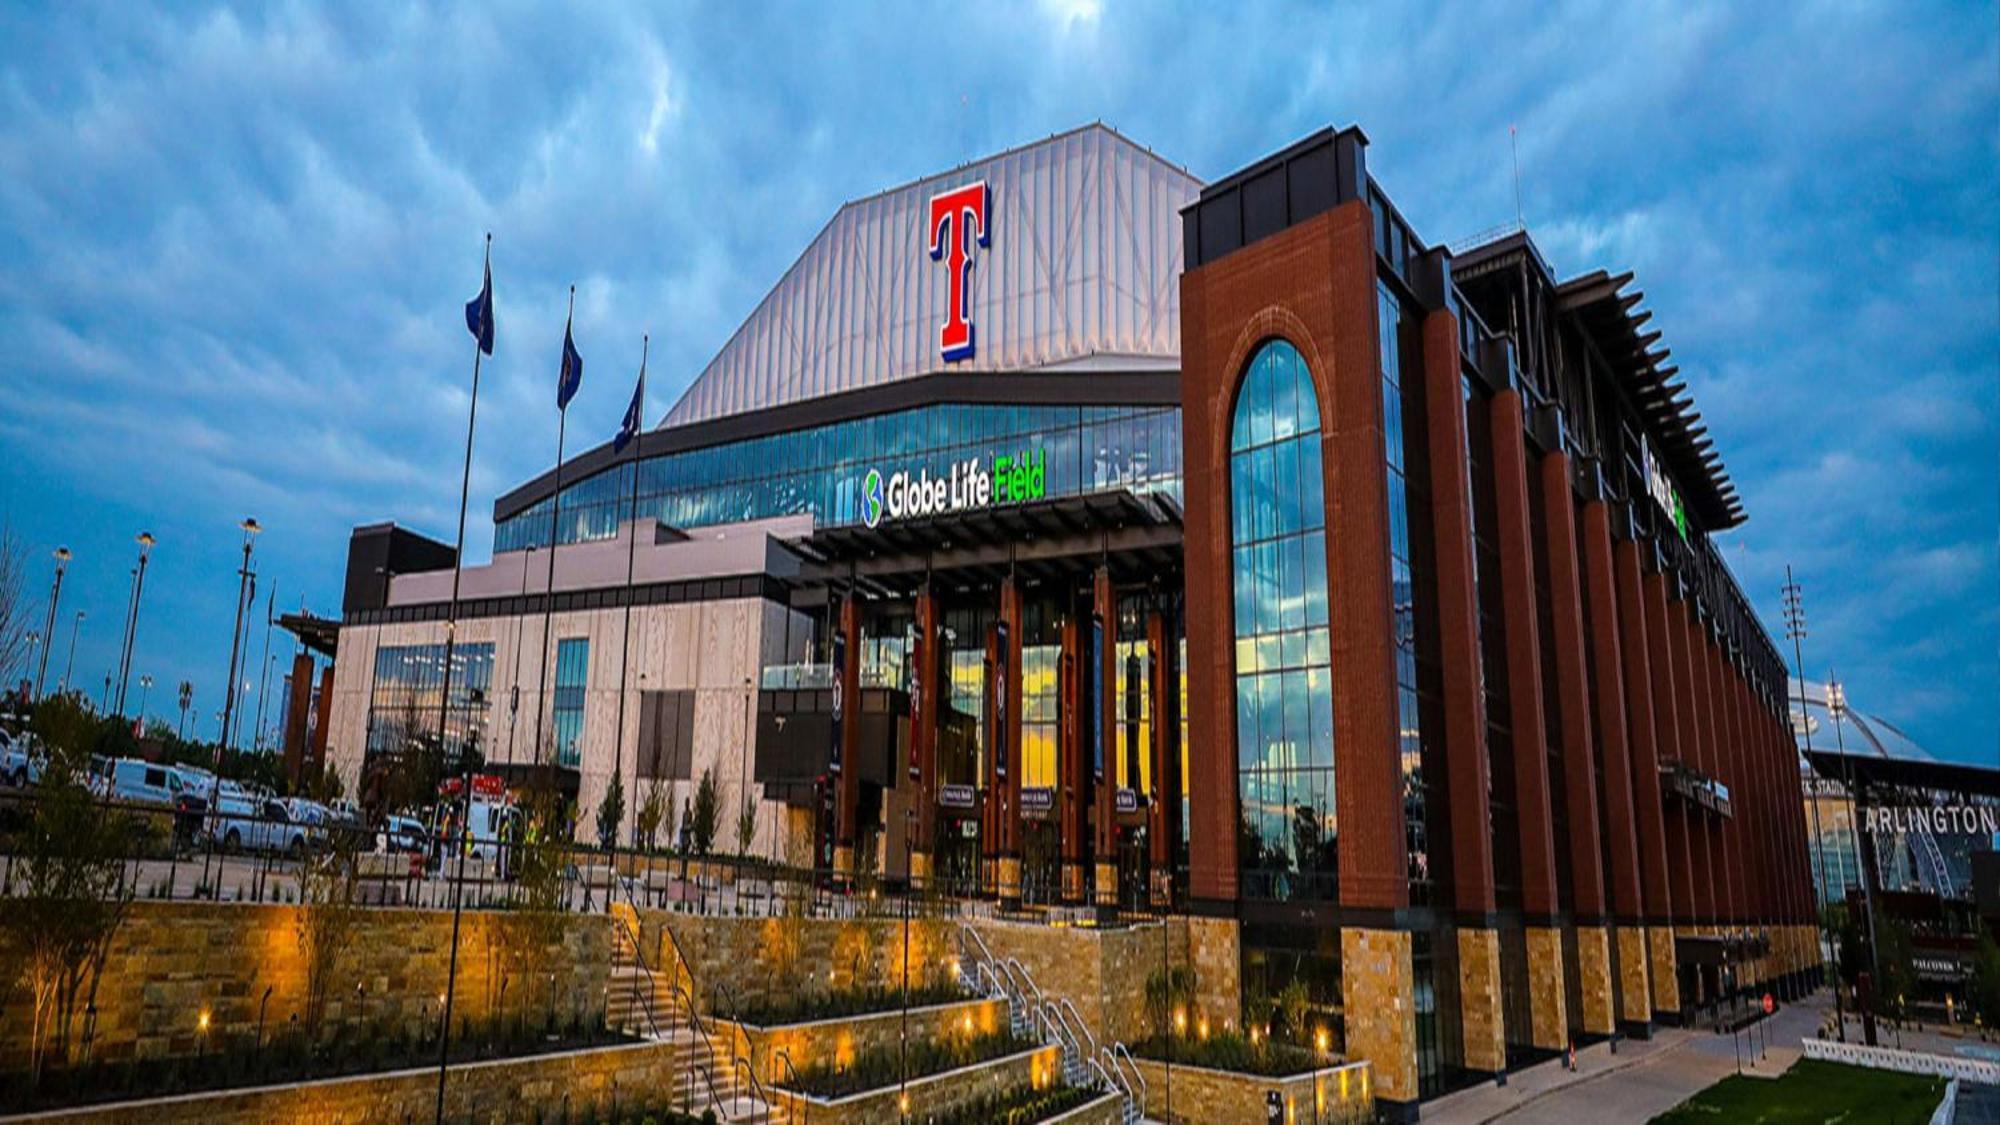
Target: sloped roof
1083, 270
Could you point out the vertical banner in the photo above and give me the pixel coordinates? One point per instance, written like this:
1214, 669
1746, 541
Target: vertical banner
997, 737
839, 704
1096, 708
1132, 720
915, 661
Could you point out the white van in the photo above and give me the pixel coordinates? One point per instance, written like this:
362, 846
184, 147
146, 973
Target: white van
134, 779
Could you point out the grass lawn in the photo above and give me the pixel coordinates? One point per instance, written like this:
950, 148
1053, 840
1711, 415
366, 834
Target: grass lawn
1814, 1092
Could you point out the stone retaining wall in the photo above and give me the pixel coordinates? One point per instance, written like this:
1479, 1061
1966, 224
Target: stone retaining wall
752, 961
938, 1093
170, 962
838, 1041
1219, 1097
585, 1083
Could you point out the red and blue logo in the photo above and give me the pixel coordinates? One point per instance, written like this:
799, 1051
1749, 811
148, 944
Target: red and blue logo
958, 221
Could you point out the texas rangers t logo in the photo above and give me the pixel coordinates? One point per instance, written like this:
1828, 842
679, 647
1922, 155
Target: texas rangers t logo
958, 218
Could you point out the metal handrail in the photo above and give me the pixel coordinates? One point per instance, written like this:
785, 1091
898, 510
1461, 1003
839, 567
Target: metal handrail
1118, 1050
756, 1088
645, 999
1068, 1012
784, 1055
708, 1080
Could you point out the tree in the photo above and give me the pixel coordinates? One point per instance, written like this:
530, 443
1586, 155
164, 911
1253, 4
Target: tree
702, 821
746, 827
1897, 962
70, 894
651, 812
325, 920
611, 812
1985, 985
16, 614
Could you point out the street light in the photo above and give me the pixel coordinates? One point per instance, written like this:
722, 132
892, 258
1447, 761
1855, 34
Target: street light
49, 629
132, 618
1836, 705
70, 665
145, 689
250, 529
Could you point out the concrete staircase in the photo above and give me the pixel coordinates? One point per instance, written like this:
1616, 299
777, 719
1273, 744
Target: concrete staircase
658, 1005
1051, 1020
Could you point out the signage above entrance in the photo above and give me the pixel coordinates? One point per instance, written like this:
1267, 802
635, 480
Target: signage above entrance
1012, 478
957, 224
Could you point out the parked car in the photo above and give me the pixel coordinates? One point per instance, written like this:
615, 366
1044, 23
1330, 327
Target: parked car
20, 765
243, 824
402, 835
134, 779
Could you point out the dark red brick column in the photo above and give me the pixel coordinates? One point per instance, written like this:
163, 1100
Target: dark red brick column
1651, 819
1621, 833
847, 786
323, 721
1512, 536
1681, 637
924, 706
298, 704
1667, 726
1708, 714
1163, 815
1009, 658
1572, 691
1464, 703
1103, 786
1072, 753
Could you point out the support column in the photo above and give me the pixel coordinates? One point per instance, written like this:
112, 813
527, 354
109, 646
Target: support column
1464, 698
1072, 730
1103, 725
1548, 1019
1651, 814
1007, 702
926, 700
1667, 706
847, 702
1593, 951
1163, 822
1628, 902
1680, 637
323, 717
1710, 713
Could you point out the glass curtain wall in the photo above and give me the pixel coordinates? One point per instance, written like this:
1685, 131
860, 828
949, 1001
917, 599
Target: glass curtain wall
404, 700
1284, 688
819, 470
572, 676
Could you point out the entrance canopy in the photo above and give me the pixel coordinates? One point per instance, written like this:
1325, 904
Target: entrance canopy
1138, 536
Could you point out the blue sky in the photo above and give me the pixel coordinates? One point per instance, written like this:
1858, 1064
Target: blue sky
234, 243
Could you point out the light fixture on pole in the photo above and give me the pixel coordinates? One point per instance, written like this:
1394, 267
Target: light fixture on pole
250, 529
70, 664
132, 618
145, 689
49, 629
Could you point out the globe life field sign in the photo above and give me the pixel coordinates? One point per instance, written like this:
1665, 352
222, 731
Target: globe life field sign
1010, 478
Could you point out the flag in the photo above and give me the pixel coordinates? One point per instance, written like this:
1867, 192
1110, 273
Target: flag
571, 376
479, 314
629, 428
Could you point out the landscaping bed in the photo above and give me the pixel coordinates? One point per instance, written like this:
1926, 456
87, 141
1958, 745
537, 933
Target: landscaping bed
810, 1007
1813, 1091
1230, 1052
887, 1066
288, 1057
1023, 1105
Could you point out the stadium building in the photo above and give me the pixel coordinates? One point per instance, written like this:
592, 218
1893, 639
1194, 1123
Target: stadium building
1067, 531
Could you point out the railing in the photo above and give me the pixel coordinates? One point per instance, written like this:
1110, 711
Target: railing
792, 1075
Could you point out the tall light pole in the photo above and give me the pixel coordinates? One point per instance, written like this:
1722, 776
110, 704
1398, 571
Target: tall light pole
145, 689
132, 618
70, 665
1795, 630
250, 529
186, 698
49, 629
1836, 705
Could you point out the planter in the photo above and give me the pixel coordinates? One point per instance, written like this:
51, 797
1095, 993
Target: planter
936, 1092
1225, 1097
839, 1040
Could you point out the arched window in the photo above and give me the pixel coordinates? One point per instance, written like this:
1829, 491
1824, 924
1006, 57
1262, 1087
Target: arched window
1284, 686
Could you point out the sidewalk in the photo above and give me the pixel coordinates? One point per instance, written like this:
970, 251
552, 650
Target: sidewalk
1641, 1080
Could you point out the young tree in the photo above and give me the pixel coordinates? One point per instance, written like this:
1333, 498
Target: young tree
746, 827
1897, 961
702, 821
325, 921
651, 811
1985, 990
611, 812
70, 896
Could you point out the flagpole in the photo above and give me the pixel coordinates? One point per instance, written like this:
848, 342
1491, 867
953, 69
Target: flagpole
555, 523
444, 700
631, 558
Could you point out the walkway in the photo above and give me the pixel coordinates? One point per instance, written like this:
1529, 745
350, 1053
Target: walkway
1643, 1079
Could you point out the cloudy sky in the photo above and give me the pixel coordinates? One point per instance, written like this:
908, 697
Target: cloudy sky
234, 243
